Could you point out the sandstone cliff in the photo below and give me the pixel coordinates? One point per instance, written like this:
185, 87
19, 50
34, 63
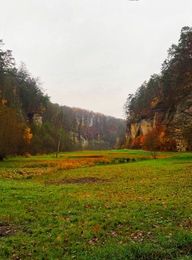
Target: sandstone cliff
162, 106
176, 122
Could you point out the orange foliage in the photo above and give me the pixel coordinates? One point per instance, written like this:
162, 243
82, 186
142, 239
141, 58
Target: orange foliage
159, 139
152, 141
77, 163
137, 142
3, 102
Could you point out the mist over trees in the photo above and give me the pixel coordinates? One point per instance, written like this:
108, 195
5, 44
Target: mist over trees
30, 123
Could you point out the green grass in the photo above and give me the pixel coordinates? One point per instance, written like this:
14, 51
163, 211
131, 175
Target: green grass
136, 210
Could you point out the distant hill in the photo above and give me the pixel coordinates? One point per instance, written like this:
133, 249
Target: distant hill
162, 107
31, 123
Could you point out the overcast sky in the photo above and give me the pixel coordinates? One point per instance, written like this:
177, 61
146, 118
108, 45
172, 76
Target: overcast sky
92, 53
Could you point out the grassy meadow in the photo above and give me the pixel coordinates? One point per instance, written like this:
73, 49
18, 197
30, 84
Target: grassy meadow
118, 204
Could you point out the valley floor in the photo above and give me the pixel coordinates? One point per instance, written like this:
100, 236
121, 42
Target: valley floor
96, 205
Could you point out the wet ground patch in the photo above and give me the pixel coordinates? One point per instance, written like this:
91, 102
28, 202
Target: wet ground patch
123, 160
85, 156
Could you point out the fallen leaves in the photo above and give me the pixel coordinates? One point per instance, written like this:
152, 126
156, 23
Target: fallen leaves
140, 236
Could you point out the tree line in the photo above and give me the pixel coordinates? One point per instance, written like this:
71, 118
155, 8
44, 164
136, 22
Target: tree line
30, 123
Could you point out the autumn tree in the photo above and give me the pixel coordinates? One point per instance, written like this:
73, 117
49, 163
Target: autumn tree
151, 142
11, 132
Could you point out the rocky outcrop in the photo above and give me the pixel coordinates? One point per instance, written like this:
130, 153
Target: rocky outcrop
38, 120
181, 124
176, 122
141, 128
95, 130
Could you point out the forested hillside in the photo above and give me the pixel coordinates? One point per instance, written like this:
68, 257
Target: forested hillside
159, 114
30, 123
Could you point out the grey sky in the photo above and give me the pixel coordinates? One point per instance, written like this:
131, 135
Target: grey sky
92, 53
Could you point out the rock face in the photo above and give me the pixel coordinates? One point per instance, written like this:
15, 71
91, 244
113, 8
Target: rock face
38, 120
95, 130
182, 124
141, 128
176, 122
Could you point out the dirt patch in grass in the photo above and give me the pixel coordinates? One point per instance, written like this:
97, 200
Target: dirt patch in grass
6, 230
185, 249
187, 224
83, 180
